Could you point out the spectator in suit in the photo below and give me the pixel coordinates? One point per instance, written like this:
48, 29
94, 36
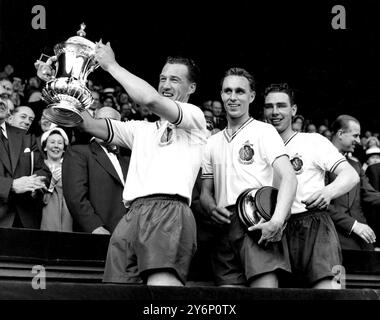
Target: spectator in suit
220, 121
22, 117
22, 174
93, 183
347, 210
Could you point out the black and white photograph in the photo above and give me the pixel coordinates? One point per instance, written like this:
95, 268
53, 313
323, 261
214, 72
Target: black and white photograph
190, 159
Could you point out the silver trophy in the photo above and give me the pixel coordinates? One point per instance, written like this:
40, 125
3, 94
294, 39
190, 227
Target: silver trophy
66, 75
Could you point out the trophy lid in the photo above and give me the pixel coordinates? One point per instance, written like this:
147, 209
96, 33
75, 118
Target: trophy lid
80, 38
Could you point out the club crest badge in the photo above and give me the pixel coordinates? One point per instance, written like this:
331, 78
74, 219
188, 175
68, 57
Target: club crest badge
246, 153
167, 136
297, 163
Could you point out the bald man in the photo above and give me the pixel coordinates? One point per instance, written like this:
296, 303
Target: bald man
93, 177
22, 117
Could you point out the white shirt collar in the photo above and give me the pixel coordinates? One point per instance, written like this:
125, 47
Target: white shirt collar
4, 129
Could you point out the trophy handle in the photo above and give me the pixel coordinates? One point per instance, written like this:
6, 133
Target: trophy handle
91, 69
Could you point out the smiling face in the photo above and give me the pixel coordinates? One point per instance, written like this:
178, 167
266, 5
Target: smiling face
174, 82
279, 112
55, 146
236, 96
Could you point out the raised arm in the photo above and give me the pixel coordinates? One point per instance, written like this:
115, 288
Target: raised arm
96, 127
138, 89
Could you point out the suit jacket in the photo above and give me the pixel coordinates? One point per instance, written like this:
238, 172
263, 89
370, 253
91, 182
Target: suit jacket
373, 174
92, 187
349, 207
22, 149
373, 214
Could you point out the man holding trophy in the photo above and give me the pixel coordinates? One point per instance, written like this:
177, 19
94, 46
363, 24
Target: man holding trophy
156, 240
154, 243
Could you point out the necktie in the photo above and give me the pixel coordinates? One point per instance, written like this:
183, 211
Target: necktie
5, 140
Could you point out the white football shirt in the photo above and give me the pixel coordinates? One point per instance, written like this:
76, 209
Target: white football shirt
311, 155
242, 160
165, 157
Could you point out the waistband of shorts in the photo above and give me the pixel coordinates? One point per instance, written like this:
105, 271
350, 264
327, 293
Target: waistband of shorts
162, 196
305, 214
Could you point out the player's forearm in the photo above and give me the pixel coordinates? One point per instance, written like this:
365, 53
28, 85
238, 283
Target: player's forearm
344, 182
96, 127
207, 201
138, 89
285, 198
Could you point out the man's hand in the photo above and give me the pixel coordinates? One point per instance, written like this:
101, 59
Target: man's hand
28, 183
318, 200
104, 55
100, 230
365, 232
220, 215
271, 231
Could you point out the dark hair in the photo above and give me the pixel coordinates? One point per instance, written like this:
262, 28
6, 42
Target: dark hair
103, 97
280, 87
240, 72
342, 123
193, 74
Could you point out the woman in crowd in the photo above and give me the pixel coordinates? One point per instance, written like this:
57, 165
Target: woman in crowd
55, 215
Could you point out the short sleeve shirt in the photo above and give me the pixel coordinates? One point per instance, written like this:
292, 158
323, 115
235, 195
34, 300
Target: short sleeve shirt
166, 157
311, 155
242, 160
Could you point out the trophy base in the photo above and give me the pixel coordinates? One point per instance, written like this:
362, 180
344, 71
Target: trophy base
63, 114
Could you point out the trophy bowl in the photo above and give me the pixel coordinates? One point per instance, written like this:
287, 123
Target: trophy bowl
65, 90
254, 204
